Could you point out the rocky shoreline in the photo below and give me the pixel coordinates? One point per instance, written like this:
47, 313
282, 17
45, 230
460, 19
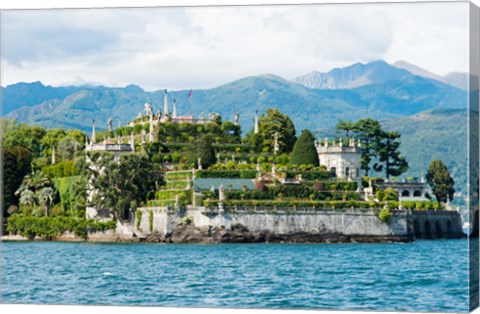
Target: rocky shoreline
189, 233
240, 234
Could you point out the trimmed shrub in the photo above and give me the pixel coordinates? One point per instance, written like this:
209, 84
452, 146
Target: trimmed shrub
226, 174
385, 215
304, 151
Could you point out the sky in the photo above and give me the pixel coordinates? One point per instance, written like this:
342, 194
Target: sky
204, 47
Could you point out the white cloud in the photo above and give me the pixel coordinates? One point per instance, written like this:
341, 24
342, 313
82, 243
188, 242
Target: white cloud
207, 46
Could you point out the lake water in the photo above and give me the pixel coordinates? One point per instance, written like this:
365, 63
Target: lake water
419, 276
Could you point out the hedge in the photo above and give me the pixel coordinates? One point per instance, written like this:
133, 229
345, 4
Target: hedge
333, 185
51, 227
305, 191
249, 195
308, 175
291, 203
178, 175
176, 185
172, 194
227, 174
233, 147
61, 169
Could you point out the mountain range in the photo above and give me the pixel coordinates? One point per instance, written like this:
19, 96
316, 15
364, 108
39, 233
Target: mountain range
375, 72
420, 105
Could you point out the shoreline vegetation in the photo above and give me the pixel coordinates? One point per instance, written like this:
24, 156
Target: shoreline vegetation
52, 180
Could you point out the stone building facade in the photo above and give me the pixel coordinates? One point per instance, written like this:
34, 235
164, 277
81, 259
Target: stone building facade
343, 160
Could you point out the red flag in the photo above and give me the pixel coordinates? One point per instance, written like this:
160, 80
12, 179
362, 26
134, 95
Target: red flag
189, 94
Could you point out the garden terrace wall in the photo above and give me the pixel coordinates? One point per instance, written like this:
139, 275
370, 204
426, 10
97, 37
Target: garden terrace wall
301, 224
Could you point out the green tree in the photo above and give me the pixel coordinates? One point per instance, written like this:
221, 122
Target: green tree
440, 180
50, 139
369, 132
231, 132
76, 135
205, 152
275, 121
16, 165
117, 185
23, 135
34, 181
389, 158
304, 151
45, 198
67, 147
345, 126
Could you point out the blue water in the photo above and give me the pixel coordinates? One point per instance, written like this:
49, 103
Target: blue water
420, 276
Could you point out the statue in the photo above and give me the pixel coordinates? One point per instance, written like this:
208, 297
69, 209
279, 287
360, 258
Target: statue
199, 163
177, 201
110, 125
148, 109
221, 194
236, 118
276, 146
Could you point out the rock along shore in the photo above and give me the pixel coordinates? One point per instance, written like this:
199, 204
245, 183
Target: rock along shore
208, 234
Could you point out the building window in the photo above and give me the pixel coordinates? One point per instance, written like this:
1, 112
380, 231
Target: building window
347, 172
357, 174
417, 193
405, 193
333, 170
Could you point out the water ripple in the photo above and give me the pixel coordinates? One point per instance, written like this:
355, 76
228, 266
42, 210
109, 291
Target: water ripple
420, 276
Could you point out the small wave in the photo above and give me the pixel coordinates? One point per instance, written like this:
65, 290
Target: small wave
107, 273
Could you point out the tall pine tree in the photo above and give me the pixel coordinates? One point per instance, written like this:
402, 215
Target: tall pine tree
389, 158
304, 151
369, 132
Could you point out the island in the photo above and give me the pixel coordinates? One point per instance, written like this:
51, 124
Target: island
184, 179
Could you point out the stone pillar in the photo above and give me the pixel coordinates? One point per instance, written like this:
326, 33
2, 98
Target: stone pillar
255, 130
132, 142
174, 108
93, 139
276, 147
53, 155
150, 133
165, 106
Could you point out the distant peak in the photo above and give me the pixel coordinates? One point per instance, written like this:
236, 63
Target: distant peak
134, 88
272, 77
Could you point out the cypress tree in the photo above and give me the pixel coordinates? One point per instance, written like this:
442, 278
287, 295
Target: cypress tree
205, 151
440, 180
304, 151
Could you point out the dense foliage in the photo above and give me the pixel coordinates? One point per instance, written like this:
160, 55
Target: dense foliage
49, 228
304, 151
119, 185
16, 164
380, 149
440, 180
271, 123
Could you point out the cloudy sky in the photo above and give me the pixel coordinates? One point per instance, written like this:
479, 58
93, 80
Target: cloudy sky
184, 48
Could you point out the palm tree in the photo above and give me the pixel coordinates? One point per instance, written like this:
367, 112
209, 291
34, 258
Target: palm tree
33, 181
45, 197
